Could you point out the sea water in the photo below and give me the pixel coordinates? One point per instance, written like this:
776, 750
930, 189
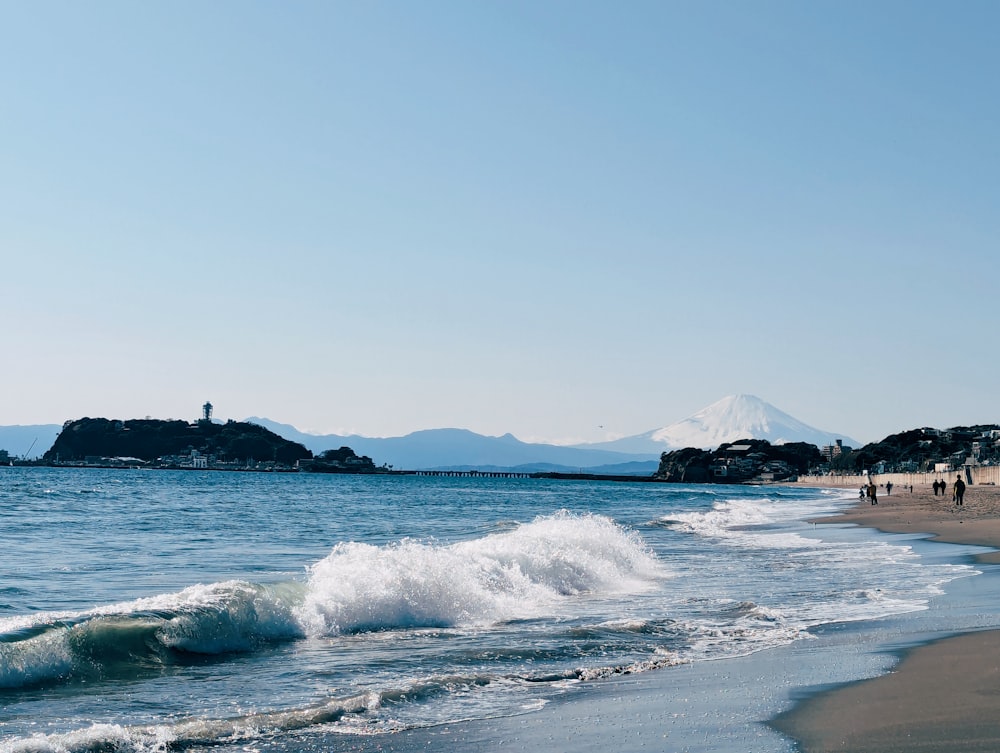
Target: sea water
156, 610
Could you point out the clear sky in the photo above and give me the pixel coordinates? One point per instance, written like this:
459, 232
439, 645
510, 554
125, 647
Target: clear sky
567, 220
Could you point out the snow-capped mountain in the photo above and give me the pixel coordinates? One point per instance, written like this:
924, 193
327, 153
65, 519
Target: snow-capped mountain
728, 420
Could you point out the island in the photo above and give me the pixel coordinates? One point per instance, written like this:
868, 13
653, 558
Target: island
203, 444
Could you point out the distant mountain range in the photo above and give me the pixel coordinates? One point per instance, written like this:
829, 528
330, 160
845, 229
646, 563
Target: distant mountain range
460, 449
727, 420
730, 419
28, 441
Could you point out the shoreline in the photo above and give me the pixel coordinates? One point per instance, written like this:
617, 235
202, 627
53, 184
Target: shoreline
976, 522
943, 694
815, 696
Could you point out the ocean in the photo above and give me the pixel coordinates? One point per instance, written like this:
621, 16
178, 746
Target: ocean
163, 610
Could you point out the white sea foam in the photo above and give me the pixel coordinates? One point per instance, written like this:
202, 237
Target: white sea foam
511, 575
742, 521
193, 732
831, 567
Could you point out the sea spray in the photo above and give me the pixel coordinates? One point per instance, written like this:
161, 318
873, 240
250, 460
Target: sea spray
516, 574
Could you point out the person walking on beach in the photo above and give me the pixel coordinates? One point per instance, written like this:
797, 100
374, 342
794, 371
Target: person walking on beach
959, 491
936, 487
873, 492
888, 488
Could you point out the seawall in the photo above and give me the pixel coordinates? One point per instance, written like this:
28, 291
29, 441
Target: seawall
974, 475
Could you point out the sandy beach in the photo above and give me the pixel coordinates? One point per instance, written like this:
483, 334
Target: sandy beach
977, 521
944, 696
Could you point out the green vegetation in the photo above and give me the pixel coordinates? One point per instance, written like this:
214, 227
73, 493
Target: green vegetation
921, 449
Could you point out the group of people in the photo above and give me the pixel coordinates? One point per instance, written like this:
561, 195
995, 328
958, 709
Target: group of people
957, 491
871, 491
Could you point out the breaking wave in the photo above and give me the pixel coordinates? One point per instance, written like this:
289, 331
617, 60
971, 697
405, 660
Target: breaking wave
513, 575
518, 574
526, 571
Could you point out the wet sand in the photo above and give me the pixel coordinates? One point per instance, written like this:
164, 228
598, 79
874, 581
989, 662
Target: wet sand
944, 696
977, 521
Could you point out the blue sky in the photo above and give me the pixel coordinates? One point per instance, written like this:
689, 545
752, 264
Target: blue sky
564, 220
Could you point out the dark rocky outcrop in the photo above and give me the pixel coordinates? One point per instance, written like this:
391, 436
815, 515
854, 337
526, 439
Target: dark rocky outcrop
738, 462
344, 460
689, 465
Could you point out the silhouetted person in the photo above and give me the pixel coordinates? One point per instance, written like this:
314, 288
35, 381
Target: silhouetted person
959, 491
873, 493
888, 488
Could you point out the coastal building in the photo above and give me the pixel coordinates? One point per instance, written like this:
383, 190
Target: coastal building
834, 450
737, 464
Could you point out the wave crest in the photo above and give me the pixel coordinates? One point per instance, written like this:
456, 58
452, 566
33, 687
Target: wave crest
123, 639
516, 574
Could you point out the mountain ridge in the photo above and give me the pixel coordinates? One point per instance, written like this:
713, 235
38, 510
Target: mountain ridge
460, 449
28, 441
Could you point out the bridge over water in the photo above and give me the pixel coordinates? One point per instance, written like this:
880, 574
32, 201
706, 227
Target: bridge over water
471, 474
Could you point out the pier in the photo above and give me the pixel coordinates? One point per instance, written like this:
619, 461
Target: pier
581, 476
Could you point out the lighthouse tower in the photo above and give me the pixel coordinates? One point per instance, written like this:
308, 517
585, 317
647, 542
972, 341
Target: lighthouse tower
206, 411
